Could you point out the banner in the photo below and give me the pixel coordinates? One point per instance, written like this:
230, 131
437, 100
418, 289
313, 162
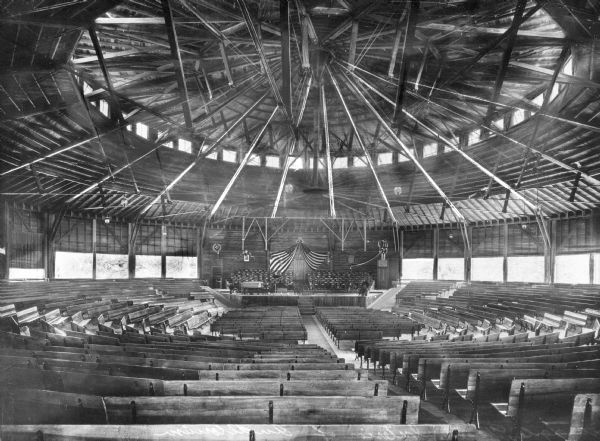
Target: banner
281, 260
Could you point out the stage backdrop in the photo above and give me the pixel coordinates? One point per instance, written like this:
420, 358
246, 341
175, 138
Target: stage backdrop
299, 253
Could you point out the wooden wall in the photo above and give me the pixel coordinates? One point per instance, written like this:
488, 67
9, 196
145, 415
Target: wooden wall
28, 239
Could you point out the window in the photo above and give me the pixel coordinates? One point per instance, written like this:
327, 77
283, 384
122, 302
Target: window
474, 137
404, 158
87, 88
185, 145
597, 268
526, 269
430, 149
295, 163
74, 265
272, 161
498, 124
26, 273
417, 269
568, 68
214, 155
147, 266
168, 144
254, 160
555, 91
129, 127
572, 268
451, 269
518, 116
103, 107
538, 100
311, 162
385, 158
487, 269
112, 266
182, 267
141, 130
341, 162
360, 161
229, 156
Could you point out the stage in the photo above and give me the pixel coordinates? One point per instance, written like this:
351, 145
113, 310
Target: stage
291, 298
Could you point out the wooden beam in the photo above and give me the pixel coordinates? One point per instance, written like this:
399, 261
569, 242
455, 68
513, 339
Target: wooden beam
436, 251
305, 44
403, 148
243, 163
163, 251
286, 66
228, 73
132, 230
395, 47
176, 56
352, 51
327, 152
413, 15
201, 155
507, 53
362, 146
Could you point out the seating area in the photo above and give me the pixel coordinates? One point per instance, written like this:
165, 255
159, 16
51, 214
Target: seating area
282, 323
100, 309
485, 307
338, 281
530, 379
58, 383
355, 323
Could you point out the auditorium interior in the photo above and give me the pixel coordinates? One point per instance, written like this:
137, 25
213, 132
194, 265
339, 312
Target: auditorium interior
300, 220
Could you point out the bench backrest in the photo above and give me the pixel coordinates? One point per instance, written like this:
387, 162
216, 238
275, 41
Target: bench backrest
585, 418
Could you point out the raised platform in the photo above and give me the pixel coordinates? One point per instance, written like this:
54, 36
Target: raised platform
291, 299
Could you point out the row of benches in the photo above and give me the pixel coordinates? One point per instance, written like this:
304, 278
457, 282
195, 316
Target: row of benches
355, 323
265, 323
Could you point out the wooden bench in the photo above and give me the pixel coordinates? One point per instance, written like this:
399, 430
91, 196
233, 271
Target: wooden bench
585, 417
543, 398
32, 406
235, 432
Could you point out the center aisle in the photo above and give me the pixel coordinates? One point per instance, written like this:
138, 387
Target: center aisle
318, 335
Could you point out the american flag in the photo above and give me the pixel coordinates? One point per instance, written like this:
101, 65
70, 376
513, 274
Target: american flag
281, 260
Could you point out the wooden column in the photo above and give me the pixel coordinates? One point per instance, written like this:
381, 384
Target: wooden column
7, 241
505, 254
163, 251
45, 244
595, 240
94, 239
131, 238
400, 253
436, 249
199, 238
550, 254
468, 254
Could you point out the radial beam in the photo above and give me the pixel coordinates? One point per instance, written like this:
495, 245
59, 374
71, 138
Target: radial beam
454, 147
263, 59
362, 145
501, 74
403, 148
176, 55
327, 152
286, 65
243, 163
286, 168
413, 15
203, 154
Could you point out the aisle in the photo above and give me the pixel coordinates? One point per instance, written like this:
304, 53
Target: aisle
318, 335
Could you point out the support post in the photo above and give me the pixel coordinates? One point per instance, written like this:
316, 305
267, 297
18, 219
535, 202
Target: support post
94, 240
505, 253
163, 251
550, 254
436, 247
7, 241
365, 235
131, 239
45, 244
400, 253
468, 252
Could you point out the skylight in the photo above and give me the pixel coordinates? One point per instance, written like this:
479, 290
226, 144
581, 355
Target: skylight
185, 145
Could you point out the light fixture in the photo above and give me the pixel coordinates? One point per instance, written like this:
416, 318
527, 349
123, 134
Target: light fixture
450, 236
524, 226
106, 219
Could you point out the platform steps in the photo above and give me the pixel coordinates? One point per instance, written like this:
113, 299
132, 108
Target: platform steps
306, 306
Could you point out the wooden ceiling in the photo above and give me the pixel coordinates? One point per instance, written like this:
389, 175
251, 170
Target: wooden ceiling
314, 79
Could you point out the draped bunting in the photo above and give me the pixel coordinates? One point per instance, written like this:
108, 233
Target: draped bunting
281, 260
